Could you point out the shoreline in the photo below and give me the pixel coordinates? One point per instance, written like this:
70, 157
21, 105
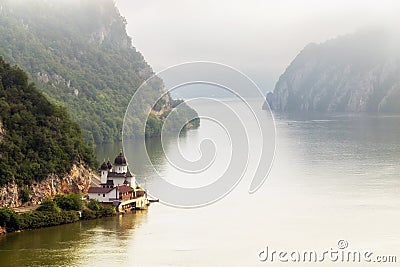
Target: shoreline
4, 232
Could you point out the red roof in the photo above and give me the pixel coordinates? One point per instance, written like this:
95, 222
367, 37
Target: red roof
99, 190
124, 189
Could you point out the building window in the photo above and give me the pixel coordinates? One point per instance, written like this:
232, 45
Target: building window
104, 195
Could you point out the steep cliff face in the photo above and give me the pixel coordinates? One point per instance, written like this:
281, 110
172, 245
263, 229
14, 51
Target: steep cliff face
80, 55
354, 73
38, 143
78, 180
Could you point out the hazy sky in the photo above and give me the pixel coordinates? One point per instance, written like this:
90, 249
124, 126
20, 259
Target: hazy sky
258, 37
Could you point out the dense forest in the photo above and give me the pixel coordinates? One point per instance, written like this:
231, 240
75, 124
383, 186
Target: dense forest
37, 138
80, 55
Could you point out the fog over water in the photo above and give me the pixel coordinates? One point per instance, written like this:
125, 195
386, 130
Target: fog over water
334, 178
258, 37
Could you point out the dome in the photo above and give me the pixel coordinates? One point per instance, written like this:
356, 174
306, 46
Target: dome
104, 166
109, 165
120, 159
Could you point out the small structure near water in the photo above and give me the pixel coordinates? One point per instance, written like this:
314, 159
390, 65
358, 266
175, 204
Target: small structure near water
118, 187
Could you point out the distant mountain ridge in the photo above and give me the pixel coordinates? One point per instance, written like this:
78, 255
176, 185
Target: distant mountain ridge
352, 73
79, 54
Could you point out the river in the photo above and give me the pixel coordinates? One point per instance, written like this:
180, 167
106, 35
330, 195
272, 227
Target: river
334, 177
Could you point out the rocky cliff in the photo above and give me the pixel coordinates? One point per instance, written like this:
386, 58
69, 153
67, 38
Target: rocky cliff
353, 73
1, 131
42, 152
78, 180
79, 54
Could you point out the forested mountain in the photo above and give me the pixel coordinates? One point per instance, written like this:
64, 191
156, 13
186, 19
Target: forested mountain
79, 55
37, 138
354, 73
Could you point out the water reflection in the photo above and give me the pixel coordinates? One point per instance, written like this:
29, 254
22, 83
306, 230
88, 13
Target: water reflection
335, 177
72, 244
107, 151
136, 154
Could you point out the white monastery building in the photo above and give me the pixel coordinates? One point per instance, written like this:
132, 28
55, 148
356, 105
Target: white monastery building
118, 186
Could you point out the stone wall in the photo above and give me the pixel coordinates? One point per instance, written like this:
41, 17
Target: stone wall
78, 180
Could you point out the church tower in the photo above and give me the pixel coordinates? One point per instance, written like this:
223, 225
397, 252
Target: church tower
120, 164
104, 173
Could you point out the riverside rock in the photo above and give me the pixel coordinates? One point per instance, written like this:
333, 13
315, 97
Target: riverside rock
78, 180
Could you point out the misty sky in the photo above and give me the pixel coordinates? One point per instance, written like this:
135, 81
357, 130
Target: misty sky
258, 37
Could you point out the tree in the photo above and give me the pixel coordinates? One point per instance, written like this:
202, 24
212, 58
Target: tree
48, 205
94, 205
63, 53
69, 202
38, 137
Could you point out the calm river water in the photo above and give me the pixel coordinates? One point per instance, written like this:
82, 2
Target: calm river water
334, 177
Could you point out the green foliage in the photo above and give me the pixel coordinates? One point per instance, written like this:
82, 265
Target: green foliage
159, 104
96, 210
69, 201
25, 194
9, 219
49, 214
108, 211
5, 214
94, 205
81, 56
153, 126
36, 219
90, 215
99, 212
40, 137
48, 205
175, 119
